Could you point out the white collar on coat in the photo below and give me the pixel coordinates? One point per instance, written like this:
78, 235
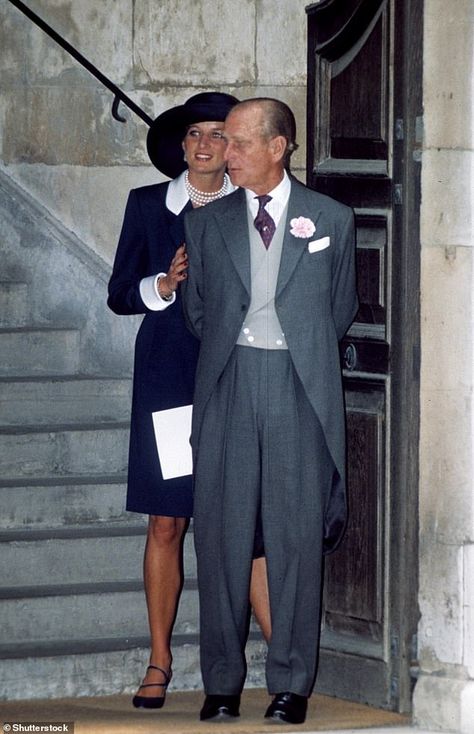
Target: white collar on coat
177, 196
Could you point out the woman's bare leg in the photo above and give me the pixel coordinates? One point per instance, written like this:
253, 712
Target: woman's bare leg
163, 582
259, 598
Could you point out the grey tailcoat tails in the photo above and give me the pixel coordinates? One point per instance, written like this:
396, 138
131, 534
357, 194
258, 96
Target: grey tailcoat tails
315, 302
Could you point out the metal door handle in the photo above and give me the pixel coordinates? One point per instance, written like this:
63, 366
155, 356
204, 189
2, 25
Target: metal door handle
350, 357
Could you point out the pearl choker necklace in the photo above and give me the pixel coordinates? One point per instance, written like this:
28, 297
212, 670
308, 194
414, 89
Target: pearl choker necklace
201, 198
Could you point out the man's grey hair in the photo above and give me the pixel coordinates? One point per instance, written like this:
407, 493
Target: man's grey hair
278, 119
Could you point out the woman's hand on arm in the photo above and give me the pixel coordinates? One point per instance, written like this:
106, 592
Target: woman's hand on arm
169, 283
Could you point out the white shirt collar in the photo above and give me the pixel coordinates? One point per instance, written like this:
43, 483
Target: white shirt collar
177, 196
280, 195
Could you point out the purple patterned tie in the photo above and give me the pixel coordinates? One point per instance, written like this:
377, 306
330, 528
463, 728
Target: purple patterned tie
263, 221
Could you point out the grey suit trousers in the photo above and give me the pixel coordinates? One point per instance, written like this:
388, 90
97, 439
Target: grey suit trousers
261, 449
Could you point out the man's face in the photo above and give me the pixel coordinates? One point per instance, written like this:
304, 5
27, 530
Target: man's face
251, 159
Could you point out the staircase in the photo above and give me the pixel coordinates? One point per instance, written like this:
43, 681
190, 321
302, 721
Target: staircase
72, 607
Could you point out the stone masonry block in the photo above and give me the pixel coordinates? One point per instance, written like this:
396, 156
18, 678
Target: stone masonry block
447, 378
88, 616
436, 703
13, 304
281, 34
447, 198
73, 616
467, 708
46, 401
447, 317
446, 466
194, 43
447, 74
80, 560
441, 605
63, 503
102, 32
65, 452
104, 213
54, 125
469, 609
39, 352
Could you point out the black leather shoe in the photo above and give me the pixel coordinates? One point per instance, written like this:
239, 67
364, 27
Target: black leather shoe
287, 708
220, 707
153, 702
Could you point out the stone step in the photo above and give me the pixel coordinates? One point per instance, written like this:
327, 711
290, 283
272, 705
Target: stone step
53, 502
39, 401
98, 668
106, 666
39, 351
90, 612
63, 450
13, 304
99, 554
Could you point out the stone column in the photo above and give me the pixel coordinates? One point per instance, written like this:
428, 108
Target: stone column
444, 694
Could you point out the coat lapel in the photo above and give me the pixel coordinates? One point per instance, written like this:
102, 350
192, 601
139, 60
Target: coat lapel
294, 247
233, 226
234, 229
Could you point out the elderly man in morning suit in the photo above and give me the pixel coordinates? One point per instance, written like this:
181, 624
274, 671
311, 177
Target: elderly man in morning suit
269, 292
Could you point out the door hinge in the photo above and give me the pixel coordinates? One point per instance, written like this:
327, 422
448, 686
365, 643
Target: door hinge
414, 663
394, 689
419, 130
398, 194
399, 129
419, 135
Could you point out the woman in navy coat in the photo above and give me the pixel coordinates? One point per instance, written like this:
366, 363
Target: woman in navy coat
185, 143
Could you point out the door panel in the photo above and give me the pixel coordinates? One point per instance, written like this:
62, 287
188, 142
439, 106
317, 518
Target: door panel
357, 606
363, 133
356, 74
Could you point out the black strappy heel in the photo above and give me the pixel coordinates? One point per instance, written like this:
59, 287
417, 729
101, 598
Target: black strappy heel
152, 702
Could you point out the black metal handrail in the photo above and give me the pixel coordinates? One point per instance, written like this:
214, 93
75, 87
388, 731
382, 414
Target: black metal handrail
119, 95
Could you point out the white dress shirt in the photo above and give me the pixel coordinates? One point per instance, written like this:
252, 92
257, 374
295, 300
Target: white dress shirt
280, 195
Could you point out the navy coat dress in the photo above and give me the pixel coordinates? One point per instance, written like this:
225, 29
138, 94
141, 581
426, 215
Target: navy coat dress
165, 351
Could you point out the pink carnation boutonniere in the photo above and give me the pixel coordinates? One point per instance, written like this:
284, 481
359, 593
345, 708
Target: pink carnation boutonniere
302, 227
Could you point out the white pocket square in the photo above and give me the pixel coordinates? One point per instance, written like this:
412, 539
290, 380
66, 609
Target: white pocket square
317, 245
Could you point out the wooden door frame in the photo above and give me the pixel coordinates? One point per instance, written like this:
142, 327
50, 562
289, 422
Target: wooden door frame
405, 358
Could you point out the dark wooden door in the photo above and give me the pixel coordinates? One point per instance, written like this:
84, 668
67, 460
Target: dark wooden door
364, 127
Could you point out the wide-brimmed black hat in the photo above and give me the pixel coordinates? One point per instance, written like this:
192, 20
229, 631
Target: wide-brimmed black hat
166, 133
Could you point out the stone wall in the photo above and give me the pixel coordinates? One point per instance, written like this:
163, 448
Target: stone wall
444, 695
58, 138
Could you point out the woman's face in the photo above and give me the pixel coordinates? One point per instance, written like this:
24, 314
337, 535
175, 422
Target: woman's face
204, 147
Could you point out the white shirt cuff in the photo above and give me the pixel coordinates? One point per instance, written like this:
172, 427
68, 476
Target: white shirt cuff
150, 296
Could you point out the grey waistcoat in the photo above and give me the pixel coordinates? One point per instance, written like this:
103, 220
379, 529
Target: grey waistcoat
261, 327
